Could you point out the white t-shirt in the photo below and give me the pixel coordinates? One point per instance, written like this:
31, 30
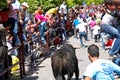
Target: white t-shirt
16, 5
102, 70
96, 30
81, 27
64, 6
108, 19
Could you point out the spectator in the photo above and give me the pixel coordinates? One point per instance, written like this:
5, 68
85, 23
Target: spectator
16, 6
116, 13
96, 32
51, 12
99, 69
92, 23
32, 29
12, 14
107, 27
109, 41
24, 17
82, 27
62, 24
63, 8
42, 26
75, 23
39, 11
9, 45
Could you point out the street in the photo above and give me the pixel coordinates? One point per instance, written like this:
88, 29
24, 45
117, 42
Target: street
44, 71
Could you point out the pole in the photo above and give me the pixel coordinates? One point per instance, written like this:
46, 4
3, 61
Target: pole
21, 53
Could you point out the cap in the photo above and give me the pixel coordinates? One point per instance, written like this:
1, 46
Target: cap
25, 4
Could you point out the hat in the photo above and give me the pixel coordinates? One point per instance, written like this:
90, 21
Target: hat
25, 4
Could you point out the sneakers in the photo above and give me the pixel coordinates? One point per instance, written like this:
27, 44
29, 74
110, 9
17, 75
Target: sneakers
113, 56
116, 76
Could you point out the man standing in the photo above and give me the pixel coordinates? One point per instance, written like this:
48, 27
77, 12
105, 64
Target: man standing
82, 28
23, 19
63, 8
99, 69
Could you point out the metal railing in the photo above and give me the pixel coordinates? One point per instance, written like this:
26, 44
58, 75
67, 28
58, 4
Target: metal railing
21, 55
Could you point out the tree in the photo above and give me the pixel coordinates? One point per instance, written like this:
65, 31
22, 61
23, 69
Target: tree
89, 2
47, 4
3, 3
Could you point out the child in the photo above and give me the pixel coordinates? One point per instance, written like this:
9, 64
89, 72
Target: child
96, 32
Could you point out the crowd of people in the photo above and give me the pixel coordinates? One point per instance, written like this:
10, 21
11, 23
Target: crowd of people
101, 21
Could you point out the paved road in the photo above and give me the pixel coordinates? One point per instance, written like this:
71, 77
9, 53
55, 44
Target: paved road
44, 70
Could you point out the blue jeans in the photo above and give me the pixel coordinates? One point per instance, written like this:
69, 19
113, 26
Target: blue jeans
65, 33
115, 48
42, 29
25, 20
91, 32
110, 30
16, 39
113, 32
82, 34
116, 61
103, 38
118, 28
75, 32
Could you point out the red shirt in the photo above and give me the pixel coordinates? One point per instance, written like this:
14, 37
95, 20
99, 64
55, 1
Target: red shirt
4, 16
109, 43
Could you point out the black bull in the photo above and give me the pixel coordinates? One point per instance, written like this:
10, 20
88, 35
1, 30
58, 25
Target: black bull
64, 61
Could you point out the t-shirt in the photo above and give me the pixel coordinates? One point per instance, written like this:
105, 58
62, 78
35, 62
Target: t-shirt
12, 12
39, 12
16, 5
92, 24
96, 30
3, 16
24, 13
109, 42
82, 27
108, 19
64, 7
52, 11
76, 22
102, 70
40, 17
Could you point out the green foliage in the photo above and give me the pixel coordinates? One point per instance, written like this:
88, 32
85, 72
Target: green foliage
3, 3
33, 5
89, 2
72, 3
47, 4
